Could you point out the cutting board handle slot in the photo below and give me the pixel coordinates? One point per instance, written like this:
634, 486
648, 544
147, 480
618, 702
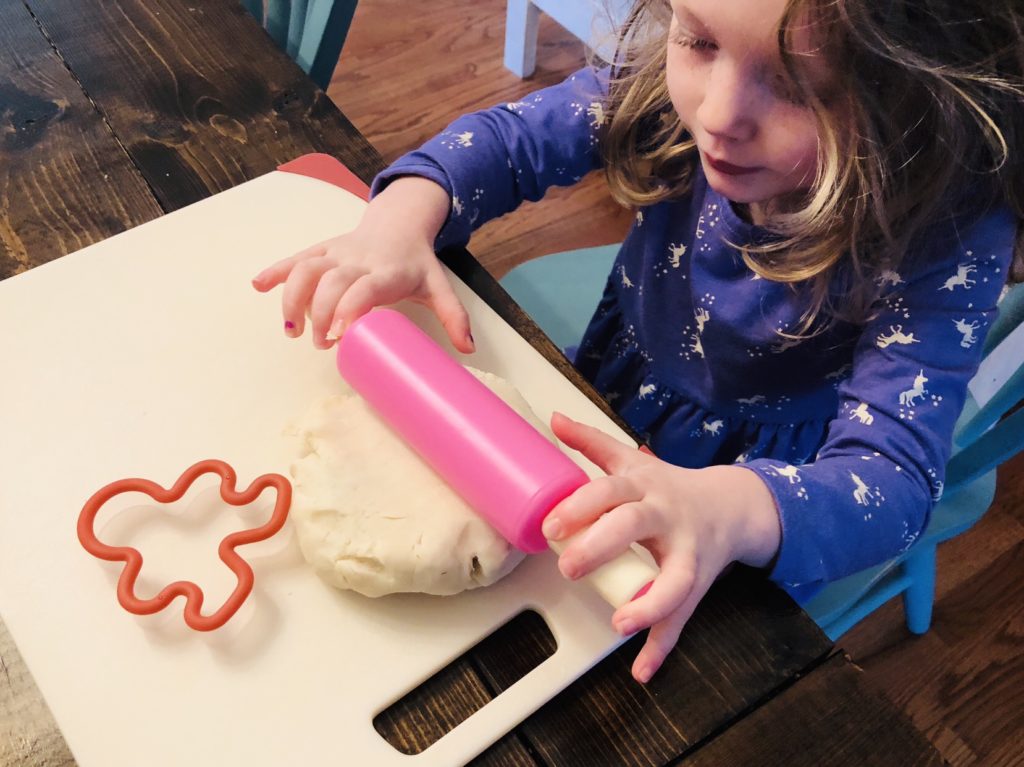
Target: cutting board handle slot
423, 715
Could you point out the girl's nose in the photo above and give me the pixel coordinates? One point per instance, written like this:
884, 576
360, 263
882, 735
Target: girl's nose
728, 110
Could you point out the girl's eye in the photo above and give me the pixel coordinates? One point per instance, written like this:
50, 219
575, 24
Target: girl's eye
699, 44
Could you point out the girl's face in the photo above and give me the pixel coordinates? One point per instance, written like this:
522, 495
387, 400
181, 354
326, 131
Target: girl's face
757, 143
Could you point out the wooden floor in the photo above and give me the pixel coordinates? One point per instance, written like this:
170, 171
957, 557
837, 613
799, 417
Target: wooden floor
410, 68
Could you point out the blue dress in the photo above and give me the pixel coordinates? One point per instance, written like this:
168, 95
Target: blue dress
850, 429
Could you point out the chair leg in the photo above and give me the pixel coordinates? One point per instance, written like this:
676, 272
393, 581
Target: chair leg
920, 594
521, 19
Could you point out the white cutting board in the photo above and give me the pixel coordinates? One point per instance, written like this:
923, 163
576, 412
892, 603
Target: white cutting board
144, 353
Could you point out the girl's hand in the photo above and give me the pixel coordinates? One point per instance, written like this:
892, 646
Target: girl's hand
694, 521
388, 257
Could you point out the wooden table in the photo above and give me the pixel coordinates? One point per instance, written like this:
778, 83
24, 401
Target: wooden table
114, 112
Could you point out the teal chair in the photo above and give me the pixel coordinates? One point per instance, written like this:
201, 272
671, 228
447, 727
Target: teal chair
311, 31
983, 439
560, 292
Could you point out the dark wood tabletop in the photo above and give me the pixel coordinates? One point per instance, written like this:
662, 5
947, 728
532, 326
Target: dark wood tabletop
114, 112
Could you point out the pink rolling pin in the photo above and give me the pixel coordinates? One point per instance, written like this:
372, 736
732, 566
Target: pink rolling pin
503, 468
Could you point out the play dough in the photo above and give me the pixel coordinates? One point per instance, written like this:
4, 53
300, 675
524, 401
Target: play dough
373, 517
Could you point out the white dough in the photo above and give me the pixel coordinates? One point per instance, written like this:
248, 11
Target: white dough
373, 517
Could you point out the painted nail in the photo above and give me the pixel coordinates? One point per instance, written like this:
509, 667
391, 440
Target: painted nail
289, 325
336, 330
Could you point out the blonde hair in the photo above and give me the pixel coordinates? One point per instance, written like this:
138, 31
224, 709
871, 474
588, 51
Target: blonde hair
922, 122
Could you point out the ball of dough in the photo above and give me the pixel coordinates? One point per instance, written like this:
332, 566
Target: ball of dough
373, 517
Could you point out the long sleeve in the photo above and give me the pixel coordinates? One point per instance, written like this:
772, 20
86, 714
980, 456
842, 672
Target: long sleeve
491, 161
868, 493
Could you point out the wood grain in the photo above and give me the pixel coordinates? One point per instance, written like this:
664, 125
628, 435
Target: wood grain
828, 718
719, 669
29, 736
192, 94
64, 181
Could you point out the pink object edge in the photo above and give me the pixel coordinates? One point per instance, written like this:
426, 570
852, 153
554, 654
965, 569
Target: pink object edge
330, 169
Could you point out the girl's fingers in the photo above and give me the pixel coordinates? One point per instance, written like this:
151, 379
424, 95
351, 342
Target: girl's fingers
605, 451
608, 537
660, 641
298, 292
370, 290
277, 273
329, 290
673, 587
450, 311
586, 504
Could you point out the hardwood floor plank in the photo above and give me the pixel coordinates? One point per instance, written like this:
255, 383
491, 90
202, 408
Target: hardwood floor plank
408, 70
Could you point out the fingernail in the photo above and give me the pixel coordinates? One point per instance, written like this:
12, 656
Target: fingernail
471, 341
289, 327
552, 529
336, 330
644, 674
569, 570
627, 627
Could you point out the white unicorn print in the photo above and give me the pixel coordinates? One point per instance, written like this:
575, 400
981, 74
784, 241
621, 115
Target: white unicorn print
596, 112
967, 331
889, 277
712, 428
909, 396
699, 231
465, 138
896, 336
861, 494
626, 282
962, 277
757, 399
861, 414
696, 347
678, 251
786, 343
646, 390
701, 316
457, 205
792, 473
836, 375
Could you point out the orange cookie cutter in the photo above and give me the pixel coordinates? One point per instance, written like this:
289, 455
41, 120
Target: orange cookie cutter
192, 593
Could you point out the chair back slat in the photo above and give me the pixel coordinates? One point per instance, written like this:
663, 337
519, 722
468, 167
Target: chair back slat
255, 7
312, 32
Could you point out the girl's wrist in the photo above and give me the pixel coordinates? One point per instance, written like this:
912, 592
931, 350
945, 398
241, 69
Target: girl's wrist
411, 203
750, 507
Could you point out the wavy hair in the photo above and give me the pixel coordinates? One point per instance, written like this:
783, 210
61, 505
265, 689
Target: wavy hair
923, 121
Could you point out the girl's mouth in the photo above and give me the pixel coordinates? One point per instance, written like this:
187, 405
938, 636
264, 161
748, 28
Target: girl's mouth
727, 167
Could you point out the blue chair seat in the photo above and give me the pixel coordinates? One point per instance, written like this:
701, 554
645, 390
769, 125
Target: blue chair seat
560, 292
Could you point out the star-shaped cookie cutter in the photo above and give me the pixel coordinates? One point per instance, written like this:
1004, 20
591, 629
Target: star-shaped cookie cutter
192, 593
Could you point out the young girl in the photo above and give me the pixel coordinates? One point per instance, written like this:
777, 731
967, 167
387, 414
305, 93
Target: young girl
827, 206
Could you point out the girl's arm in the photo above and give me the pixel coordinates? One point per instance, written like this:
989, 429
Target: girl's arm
868, 494
490, 161
482, 166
